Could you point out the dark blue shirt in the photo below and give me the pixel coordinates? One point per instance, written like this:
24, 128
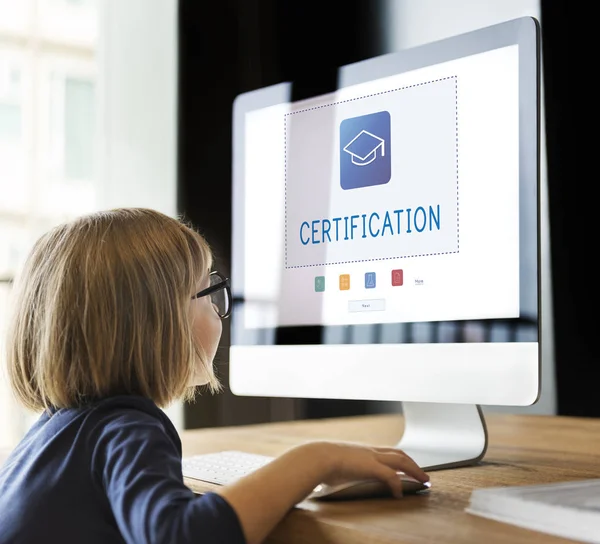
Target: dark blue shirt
109, 472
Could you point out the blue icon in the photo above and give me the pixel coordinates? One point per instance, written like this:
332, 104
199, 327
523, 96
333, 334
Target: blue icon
370, 280
365, 157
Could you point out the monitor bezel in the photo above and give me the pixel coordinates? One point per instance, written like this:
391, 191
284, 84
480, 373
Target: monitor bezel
506, 373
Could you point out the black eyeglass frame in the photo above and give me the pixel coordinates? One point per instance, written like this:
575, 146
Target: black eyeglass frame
223, 284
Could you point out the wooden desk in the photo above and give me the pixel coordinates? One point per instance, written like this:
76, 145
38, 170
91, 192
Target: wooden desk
522, 450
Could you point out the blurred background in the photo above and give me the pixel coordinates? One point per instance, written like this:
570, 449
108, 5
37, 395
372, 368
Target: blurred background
106, 103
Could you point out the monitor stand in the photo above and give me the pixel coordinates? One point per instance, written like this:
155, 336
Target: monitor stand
439, 436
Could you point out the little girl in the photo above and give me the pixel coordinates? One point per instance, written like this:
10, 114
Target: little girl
111, 322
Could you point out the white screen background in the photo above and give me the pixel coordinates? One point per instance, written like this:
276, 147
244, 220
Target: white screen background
481, 281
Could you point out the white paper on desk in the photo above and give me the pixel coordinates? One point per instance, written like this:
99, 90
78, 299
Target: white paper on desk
566, 509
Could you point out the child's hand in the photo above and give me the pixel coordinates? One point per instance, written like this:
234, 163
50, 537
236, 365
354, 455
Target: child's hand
263, 497
356, 462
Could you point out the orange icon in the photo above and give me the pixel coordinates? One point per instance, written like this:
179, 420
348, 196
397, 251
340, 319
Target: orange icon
344, 282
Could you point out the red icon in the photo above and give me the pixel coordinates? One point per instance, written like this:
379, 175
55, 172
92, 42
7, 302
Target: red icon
397, 277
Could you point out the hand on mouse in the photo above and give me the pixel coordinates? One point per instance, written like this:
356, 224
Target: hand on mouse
263, 497
351, 461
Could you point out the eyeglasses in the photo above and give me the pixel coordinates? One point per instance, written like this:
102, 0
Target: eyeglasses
220, 294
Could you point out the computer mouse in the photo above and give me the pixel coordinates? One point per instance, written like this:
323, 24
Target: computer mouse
366, 489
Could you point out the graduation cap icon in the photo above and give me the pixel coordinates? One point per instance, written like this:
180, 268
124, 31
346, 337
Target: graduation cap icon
363, 148
365, 140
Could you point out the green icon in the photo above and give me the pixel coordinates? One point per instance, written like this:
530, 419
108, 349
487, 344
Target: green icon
319, 284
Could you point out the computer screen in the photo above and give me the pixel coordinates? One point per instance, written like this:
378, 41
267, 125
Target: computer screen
386, 234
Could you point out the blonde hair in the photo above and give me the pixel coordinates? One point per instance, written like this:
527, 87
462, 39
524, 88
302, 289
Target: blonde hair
101, 308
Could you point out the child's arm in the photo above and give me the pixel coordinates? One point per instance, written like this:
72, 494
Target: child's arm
262, 498
136, 463
137, 468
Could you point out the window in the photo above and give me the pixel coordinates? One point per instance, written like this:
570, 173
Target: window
47, 139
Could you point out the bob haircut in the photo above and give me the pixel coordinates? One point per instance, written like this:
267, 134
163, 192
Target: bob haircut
101, 308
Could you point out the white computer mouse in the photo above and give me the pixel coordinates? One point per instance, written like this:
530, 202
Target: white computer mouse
366, 489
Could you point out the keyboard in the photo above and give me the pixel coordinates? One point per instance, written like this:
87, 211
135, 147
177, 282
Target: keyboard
223, 467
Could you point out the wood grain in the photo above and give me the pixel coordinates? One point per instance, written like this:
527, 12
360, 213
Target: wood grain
523, 450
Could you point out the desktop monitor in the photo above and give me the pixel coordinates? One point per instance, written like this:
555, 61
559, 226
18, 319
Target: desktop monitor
386, 237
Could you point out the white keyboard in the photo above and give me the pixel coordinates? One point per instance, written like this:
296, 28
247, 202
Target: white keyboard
223, 467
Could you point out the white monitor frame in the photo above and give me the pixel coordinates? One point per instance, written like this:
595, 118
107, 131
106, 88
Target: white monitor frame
465, 373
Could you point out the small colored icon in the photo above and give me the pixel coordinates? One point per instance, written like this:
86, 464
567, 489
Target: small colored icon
344, 282
370, 280
397, 277
319, 284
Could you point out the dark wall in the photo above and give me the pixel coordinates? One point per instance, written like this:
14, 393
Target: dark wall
573, 225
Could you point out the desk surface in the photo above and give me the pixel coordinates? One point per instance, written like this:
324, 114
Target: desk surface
522, 450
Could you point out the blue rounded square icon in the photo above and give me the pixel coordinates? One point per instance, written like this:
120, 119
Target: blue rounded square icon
370, 280
365, 150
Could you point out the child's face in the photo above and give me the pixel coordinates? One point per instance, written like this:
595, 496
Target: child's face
206, 328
